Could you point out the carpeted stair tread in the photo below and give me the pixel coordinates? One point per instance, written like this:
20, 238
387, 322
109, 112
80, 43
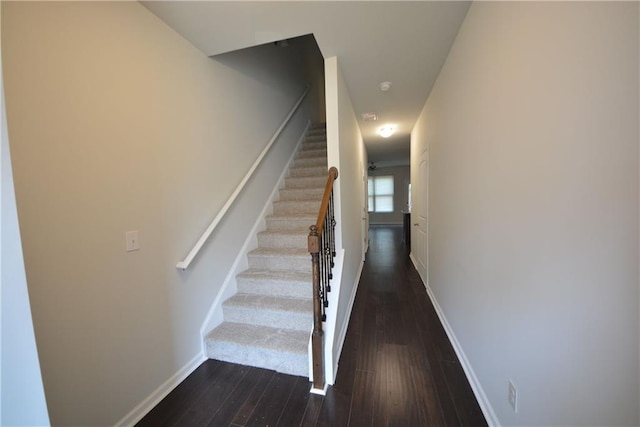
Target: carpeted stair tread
280, 252
284, 340
305, 182
271, 303
316, 133
306, 154
313, 146
290, 222
270, 348
297, 206
292, 284
294, 217
268, 310
316, 161
288, 276
280, 259
309, 171
293, 239
301, 194
291, 233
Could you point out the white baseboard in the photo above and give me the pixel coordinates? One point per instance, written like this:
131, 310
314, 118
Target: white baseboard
160, 393
481, 397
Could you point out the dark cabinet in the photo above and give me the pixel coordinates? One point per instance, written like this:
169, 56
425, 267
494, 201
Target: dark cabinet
406, 229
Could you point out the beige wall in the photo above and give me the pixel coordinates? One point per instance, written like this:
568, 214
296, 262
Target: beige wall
116, 124
532, 129
401, 179
314, 71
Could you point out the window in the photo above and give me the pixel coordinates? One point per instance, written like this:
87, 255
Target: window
381, 194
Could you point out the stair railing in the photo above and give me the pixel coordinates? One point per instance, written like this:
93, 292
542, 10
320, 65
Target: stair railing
322, 247
184, 264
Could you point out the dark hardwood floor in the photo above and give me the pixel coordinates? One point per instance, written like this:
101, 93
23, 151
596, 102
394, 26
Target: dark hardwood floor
397, 366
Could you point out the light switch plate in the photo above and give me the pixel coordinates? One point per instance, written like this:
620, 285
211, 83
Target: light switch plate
132, 240
513, 396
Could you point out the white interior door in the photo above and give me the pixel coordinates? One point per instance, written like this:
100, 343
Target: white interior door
420, 215
365, 211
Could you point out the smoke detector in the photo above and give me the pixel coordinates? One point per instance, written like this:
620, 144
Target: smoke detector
385, 86
369, 117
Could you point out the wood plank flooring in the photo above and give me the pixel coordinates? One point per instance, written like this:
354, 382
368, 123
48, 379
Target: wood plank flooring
397, 366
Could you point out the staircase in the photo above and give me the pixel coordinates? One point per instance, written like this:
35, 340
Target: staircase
268, 322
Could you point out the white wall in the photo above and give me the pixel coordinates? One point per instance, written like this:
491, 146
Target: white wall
346, 151
401, 179
533, 135
116, 124
22, 400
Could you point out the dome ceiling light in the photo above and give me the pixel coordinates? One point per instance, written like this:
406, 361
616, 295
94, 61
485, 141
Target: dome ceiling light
385, 86
387, 130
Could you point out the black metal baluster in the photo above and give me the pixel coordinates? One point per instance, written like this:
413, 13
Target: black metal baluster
327, 260
326, 276
332, 225
322, 267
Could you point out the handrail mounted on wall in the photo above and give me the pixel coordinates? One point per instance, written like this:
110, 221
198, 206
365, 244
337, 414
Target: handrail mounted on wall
184, 264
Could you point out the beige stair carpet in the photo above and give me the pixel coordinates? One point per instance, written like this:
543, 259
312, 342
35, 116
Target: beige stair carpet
267, 323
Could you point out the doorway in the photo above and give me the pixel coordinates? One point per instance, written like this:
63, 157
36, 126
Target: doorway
420, 218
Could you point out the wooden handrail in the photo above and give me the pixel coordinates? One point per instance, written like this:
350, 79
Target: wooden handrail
321, 245
324, 206
183, 265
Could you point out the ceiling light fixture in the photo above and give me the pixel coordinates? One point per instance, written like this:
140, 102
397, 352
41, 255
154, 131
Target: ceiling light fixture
385, 86
387, 130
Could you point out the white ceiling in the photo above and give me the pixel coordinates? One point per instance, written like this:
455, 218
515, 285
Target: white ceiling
402, 42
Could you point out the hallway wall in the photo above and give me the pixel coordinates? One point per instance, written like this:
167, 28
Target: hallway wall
117, 123
345, 149
533, 135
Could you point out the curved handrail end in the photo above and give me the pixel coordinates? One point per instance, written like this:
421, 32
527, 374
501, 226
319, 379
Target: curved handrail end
334, 171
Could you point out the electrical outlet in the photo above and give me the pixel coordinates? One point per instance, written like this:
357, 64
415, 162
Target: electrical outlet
513, 396
132, 241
